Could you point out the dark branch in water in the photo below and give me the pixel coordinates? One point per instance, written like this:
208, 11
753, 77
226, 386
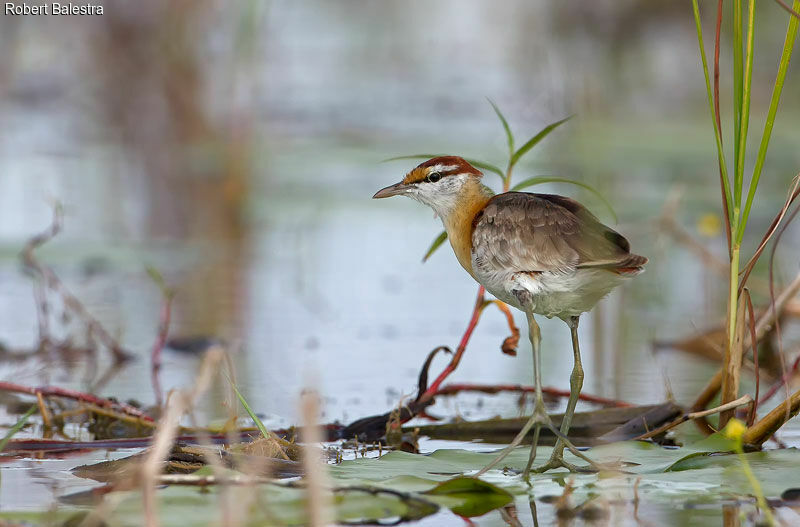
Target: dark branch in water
55, 391
50, 280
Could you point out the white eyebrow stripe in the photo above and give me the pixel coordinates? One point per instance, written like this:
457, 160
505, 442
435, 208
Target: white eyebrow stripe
442, 168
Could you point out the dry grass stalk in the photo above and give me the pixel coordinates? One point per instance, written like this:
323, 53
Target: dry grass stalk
319, 500
763, 325
177, 405
741, 401
734, 354
771, 423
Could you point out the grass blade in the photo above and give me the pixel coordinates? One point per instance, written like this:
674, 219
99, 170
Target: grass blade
486, 166
745, 108
412, 156
437, 242
534, 140
538, 180
738, 77
17, 427
788, 46
261, 428
717, 132
506, 127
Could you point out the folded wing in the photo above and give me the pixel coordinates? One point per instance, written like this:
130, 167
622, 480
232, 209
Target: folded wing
526, 232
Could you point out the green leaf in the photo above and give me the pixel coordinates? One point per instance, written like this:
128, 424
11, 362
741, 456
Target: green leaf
263, 429
470, 497
509, 135
485, 166
474, 162
537, 180
535, 139
17, 426
411, 156
435, 245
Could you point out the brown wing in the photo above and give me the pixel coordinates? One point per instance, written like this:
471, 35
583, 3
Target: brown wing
544, 232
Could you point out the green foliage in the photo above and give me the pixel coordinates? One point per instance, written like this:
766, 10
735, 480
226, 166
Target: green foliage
514, 157
439, 240
17, 426
533, 141
263, 429
537, 180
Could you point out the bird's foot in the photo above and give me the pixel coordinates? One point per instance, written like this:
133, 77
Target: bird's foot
557, 461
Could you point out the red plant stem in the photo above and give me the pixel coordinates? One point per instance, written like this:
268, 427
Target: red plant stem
452, 389
726, 211
780, 382
55, 391
476, 315
158, 346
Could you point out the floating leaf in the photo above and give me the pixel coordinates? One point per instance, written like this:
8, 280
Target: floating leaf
535, 139
469, 497
538, 180
437, 242
509, 135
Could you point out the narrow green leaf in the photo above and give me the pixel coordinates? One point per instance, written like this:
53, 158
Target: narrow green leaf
412, 156
506, 127
535, 139
726, 189
538, 180
263, 429
738, 84
17, 427
437, 242
788, 46
744, 114
474, 162
485, 166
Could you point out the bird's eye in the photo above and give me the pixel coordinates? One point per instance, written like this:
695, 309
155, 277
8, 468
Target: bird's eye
434, 177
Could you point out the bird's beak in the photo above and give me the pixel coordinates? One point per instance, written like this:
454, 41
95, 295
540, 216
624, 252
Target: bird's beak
392, 190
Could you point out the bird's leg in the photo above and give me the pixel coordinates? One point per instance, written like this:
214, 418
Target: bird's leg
539, 416
575, 385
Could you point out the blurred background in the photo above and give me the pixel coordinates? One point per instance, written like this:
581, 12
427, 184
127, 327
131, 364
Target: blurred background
235, 146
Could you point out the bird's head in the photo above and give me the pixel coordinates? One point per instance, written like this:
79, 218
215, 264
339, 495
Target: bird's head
439, 183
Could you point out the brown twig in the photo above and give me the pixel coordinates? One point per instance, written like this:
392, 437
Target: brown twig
741, 401
453, 389
55, 391
771, 423
43, 410
52, 281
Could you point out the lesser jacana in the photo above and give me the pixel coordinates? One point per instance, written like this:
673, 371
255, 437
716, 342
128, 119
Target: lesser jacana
541, 253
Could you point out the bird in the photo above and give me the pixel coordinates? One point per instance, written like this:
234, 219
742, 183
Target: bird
543, 254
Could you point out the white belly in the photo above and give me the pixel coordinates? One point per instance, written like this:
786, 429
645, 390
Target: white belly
553, 294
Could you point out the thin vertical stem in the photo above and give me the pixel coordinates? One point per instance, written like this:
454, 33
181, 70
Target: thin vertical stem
717, 132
